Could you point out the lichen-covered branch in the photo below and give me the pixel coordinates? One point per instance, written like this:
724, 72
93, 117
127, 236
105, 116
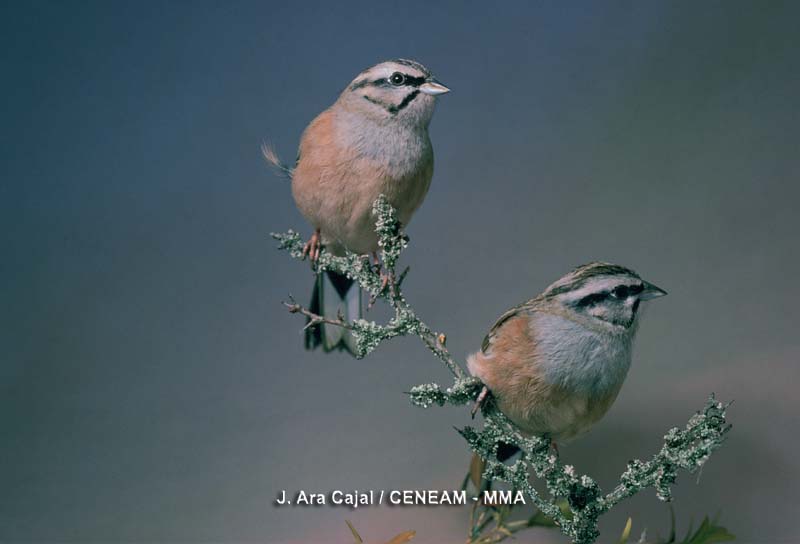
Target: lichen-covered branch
573, 502
369, 334
315, 319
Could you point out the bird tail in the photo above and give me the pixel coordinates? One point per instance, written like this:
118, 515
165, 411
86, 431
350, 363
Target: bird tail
334, 295
274, 161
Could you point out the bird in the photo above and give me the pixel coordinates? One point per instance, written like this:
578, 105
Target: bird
373, 140
555, 364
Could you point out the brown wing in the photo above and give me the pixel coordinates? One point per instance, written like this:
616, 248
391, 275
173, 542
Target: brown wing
525, 307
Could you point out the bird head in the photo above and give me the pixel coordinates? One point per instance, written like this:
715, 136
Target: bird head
605, 294
394, 91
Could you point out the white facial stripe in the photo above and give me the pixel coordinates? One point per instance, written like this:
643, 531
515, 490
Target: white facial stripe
598, 284
381, 74
386, 69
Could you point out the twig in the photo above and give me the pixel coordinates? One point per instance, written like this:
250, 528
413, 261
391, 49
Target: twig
315, 319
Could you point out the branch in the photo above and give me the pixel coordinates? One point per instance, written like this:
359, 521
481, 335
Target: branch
574, 502
369, 334
315, 319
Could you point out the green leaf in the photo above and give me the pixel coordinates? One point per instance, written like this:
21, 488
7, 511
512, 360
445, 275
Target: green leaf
356, 536
710, 532
626, 532
405, 536
540, 519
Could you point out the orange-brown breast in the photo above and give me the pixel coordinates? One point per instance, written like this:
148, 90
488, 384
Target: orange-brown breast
510, 367
334, 187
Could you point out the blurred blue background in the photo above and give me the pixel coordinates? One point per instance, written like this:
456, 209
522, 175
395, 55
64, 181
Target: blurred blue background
153, 388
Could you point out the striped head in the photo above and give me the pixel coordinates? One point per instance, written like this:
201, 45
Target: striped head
394, 91
605, 293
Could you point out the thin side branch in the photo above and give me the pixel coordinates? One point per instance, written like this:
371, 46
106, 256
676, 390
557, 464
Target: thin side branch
315, 319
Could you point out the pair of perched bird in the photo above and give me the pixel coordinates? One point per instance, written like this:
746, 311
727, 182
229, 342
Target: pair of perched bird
553, 364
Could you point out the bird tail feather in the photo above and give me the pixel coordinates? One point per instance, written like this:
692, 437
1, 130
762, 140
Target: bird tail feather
275, 161
477, 465
334, 296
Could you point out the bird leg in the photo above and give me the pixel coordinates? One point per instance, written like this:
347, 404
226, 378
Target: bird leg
387, 280
313, 246
479, 402
376, 264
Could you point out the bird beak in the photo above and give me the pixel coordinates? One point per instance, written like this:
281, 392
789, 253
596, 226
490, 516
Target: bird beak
433, 87
651, 291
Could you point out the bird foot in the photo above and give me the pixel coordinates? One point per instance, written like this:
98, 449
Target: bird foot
387, 282
387, 278
313, 247
480, 401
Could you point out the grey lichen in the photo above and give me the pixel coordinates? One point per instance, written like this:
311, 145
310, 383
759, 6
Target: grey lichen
463, 391
573, 502
686, 449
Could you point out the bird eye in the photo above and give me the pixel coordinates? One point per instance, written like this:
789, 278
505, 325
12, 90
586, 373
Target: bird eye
397, 79
621, 291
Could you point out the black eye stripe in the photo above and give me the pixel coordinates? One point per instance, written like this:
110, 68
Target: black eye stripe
414, 81
622, 291
410, 81
590, 300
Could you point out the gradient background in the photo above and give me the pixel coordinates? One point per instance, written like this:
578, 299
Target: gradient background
152, 387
